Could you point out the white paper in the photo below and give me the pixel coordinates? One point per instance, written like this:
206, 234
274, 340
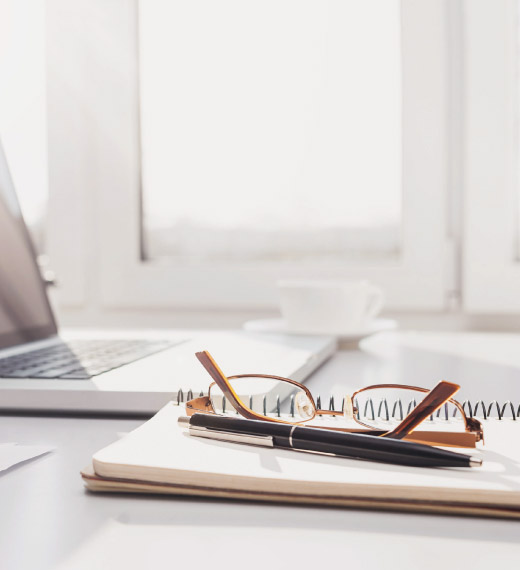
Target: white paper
12, 453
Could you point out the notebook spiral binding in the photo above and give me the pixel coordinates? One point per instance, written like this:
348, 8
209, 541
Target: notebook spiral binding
398, 410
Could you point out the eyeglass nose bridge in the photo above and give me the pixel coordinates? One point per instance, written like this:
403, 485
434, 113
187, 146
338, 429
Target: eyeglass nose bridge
349, 410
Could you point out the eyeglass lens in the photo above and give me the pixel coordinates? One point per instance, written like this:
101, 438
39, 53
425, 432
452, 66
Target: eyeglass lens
266, 396
384, 408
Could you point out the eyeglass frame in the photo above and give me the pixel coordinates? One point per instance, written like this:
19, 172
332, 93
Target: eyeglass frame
473, 427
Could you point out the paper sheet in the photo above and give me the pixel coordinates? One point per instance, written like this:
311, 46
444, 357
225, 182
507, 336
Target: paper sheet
11, 453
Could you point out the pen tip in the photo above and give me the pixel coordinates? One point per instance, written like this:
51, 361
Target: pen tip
183, 421
475, 462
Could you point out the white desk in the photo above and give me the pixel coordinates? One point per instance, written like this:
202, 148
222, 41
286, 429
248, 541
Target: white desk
49, 521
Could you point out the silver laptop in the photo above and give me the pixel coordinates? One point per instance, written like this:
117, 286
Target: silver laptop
110, 372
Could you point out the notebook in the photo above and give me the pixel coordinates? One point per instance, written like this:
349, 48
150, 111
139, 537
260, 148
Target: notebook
159, 457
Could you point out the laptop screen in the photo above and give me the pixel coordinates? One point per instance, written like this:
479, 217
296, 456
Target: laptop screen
25, 314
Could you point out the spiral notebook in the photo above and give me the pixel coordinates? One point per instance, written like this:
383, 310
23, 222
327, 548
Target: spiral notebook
158, 457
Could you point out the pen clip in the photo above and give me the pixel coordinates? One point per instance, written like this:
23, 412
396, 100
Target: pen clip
261, 440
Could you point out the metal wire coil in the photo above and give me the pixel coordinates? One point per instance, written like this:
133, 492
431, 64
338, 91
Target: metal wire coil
383, 410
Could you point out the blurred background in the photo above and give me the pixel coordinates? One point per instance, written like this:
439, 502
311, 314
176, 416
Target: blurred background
174, 159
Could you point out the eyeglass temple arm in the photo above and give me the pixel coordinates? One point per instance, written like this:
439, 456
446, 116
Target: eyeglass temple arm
432, 402
221, 380
213, 369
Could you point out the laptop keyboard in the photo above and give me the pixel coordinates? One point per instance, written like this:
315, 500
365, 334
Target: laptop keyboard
79, 359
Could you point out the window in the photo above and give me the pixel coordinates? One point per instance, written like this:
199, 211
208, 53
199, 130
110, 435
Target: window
492, 267
333, 141
261, 125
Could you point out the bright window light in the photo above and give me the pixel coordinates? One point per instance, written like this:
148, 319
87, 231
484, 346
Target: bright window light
271, 130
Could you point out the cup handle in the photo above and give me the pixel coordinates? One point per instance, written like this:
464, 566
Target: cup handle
375, 303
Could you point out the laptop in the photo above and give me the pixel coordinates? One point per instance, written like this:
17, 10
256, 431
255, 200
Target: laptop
110, 372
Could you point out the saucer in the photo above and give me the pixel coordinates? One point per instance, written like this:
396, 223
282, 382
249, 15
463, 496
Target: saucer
344, 337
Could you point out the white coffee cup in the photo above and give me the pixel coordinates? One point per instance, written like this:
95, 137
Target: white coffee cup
328, 307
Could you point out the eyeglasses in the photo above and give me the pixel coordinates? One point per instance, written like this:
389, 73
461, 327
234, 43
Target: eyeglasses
388, 410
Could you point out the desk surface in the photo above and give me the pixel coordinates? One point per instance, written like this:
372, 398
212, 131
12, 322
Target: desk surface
49, 521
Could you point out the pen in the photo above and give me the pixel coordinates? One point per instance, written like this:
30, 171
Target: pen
310, 439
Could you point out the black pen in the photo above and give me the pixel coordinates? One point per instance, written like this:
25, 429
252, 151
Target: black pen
311, 439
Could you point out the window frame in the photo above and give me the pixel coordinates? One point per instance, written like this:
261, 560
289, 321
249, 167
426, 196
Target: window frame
95, 177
